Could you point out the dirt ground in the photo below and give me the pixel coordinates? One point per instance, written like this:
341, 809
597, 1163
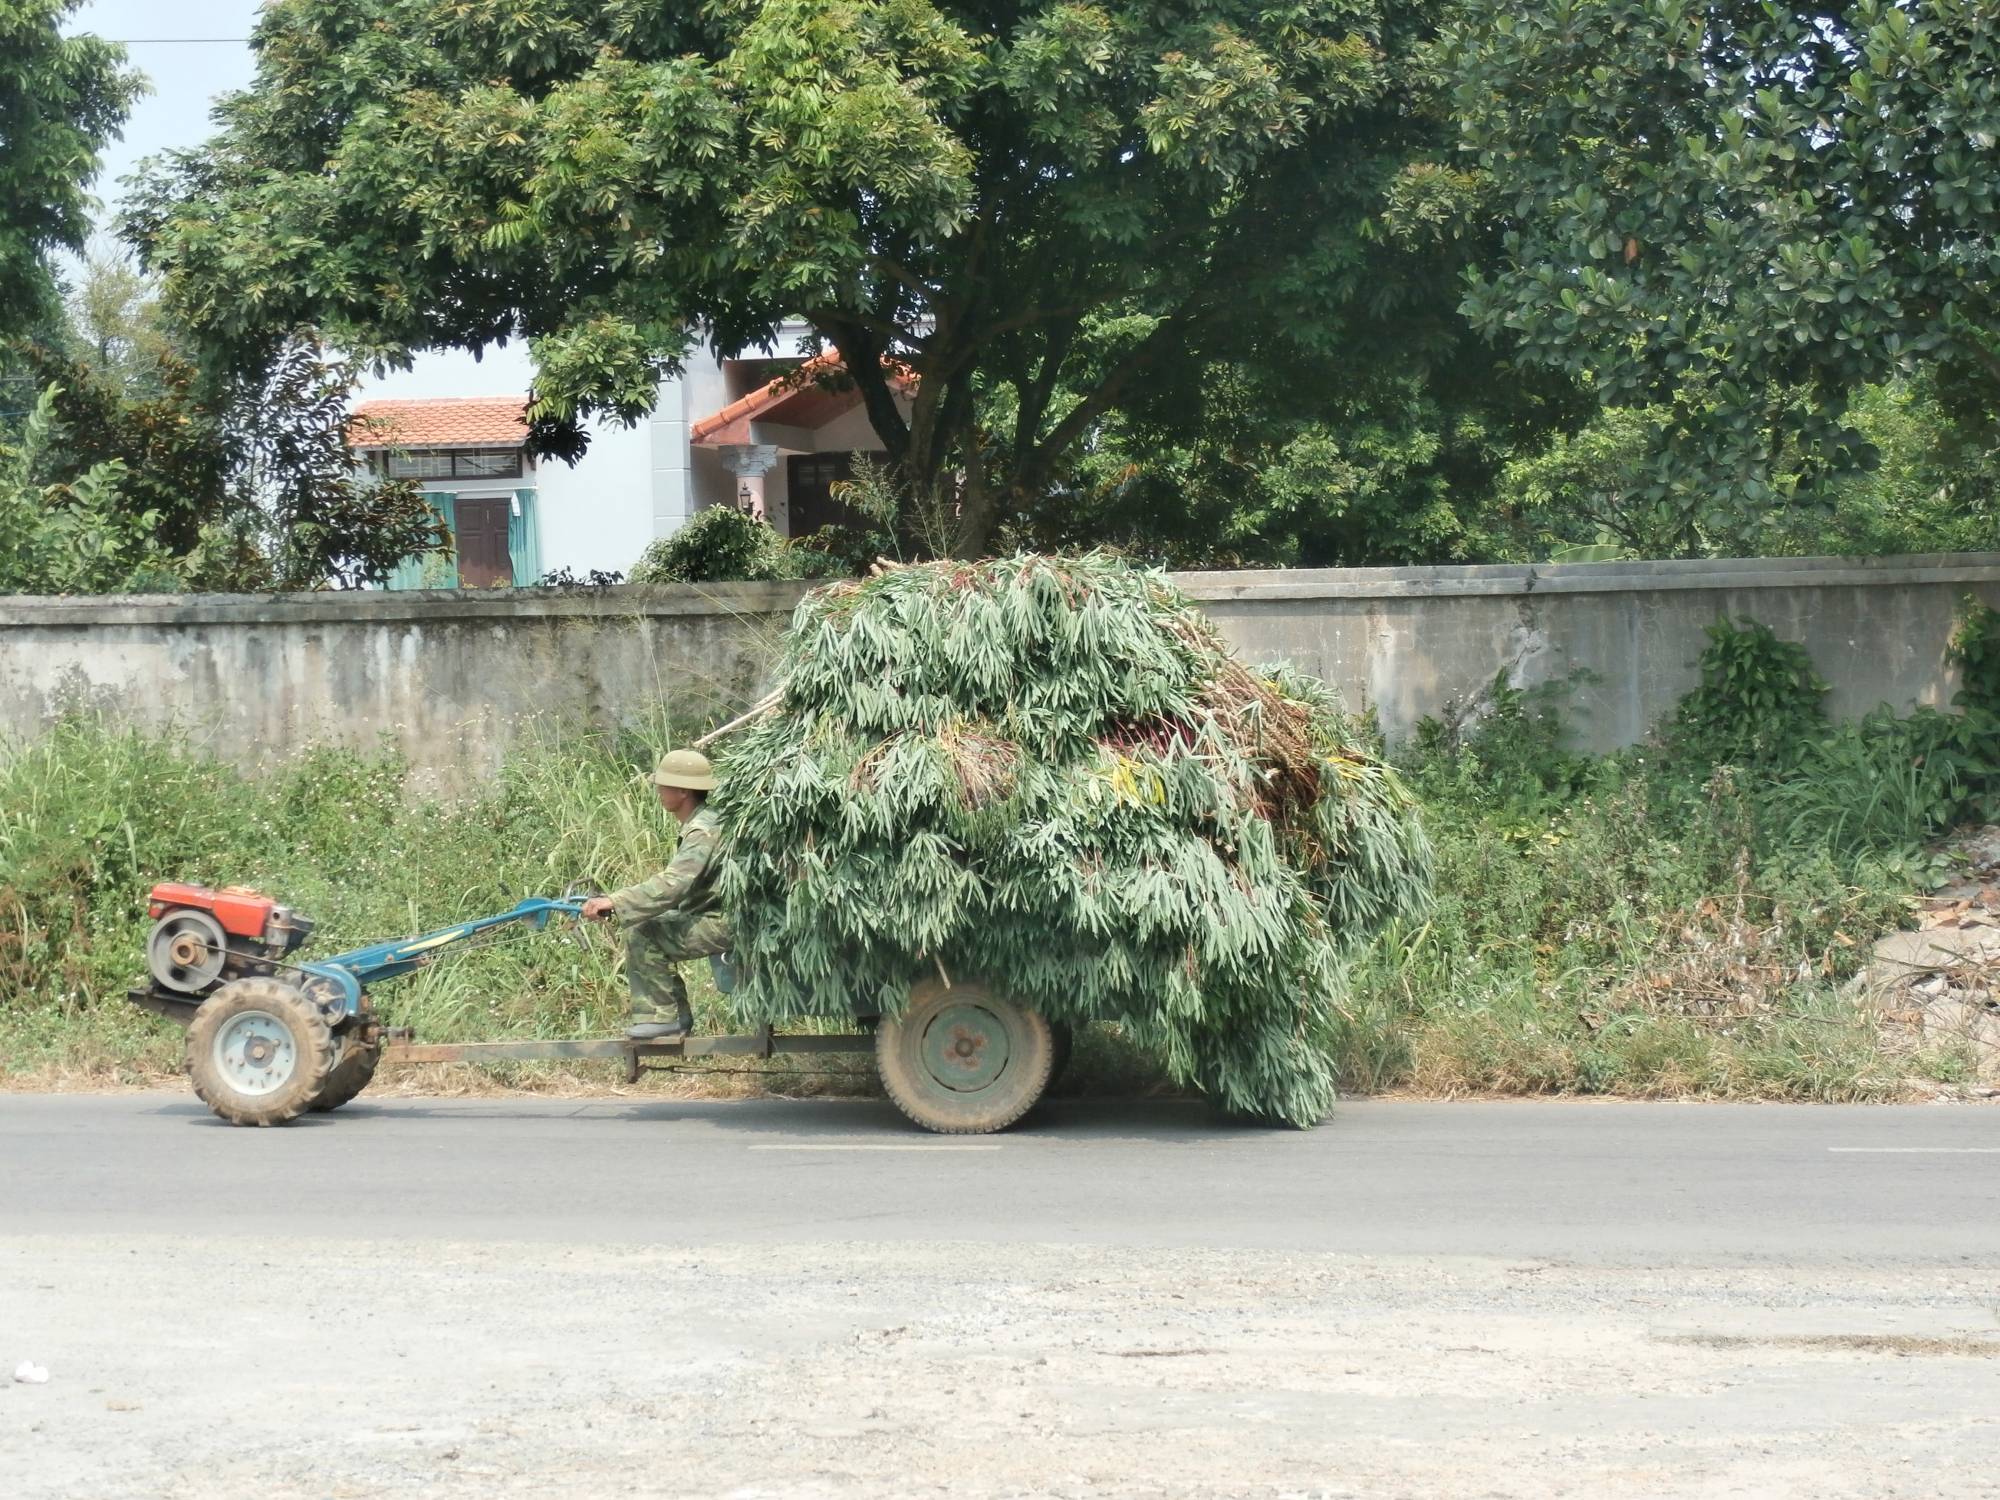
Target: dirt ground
189, 1367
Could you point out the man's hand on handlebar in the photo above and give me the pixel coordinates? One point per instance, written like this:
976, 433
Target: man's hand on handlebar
597, 908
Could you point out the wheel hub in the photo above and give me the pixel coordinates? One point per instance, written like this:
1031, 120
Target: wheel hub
965, 1047
255, 1052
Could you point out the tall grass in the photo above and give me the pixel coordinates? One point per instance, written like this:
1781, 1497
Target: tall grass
1650, 923
92, 815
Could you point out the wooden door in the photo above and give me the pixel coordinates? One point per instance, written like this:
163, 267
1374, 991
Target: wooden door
483, 562
809, 501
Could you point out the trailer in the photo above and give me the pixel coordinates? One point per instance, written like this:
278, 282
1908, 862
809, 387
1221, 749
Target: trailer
271, 1037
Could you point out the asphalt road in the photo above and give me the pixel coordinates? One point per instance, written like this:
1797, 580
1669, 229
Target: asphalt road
1579, 1181
503, 1297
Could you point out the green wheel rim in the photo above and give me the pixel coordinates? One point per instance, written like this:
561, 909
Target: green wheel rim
965, 1048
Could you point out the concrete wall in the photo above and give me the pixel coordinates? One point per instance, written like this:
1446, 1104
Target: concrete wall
1625, 636
453, 675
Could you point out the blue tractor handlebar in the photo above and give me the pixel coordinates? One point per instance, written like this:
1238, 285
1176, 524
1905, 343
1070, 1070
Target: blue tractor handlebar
350, 973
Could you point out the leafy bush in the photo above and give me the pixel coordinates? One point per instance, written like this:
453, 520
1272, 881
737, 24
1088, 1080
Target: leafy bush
1759, 699
722, 544
1975, 651
76, 537
1509, 753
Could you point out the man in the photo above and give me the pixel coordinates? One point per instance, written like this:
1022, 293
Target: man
676, 915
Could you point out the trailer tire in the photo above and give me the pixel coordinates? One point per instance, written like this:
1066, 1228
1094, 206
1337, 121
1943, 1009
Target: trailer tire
961, 1060
259, 1052
353, 1073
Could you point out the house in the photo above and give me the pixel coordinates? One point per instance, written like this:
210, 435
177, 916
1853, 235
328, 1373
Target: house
469, 456
770, 434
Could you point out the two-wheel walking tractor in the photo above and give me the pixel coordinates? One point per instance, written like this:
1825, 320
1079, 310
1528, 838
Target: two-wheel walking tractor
271, 1036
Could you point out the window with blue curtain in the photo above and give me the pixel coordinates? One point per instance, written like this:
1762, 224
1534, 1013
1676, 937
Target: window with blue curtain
524, 543
409, 573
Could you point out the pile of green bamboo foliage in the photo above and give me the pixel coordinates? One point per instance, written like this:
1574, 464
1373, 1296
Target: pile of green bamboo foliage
1053, 774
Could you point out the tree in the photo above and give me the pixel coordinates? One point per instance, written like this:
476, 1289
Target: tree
70, 536
1934, 488
1038, 208
61, 99
1298, 464
236, 483
298, 501
1741, 213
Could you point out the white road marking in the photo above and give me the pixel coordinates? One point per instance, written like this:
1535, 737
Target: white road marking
881, 1146
1920, 1150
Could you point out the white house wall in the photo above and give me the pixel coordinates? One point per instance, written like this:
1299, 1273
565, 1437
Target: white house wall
600, 514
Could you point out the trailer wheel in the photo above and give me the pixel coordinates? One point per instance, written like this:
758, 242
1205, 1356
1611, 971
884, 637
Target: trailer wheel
960, 1060
259, 1052
353, 1073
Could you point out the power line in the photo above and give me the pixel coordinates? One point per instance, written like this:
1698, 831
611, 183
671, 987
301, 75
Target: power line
168, 41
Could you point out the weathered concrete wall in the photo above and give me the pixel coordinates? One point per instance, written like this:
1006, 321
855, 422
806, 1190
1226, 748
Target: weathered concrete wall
453, 675
1624, 635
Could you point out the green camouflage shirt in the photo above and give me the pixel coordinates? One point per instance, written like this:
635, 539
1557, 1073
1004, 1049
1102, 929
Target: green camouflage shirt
686, 887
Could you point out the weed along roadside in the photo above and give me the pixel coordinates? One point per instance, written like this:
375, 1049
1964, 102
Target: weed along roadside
1690, 918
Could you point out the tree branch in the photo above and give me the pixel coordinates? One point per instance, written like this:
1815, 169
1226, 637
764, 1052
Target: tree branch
1035, 392
1172, 330
904, 277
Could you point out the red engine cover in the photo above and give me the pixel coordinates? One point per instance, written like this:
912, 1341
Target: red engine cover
240, 910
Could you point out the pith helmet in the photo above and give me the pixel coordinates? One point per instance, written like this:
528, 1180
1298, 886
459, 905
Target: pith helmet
687, 769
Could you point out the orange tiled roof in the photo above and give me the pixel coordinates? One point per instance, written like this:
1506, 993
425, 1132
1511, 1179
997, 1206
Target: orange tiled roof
440, 422
796, 393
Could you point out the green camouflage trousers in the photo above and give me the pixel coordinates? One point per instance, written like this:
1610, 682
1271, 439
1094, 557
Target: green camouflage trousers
654, 951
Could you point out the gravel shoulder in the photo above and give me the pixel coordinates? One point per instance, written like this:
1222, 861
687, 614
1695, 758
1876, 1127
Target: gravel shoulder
189, 1366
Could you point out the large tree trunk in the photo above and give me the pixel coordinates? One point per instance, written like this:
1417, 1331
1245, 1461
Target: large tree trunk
978, 513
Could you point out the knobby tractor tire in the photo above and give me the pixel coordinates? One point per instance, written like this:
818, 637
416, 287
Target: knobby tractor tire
353, 1073
259, 1052
962, 1061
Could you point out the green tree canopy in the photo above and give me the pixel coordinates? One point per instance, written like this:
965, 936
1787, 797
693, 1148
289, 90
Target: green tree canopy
1039, 207
1741, 212
61, 99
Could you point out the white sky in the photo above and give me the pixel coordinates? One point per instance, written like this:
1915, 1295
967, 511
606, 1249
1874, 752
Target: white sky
191, 51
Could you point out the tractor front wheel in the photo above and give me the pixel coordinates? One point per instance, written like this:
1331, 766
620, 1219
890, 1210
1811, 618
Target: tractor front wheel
259, 1052
961, 1060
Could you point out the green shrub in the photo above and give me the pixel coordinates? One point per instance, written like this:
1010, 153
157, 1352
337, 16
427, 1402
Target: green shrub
1880, 786
842, 551
78, 537
1883, 788
718, 545
1513, 760
723, 545
1759, 699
